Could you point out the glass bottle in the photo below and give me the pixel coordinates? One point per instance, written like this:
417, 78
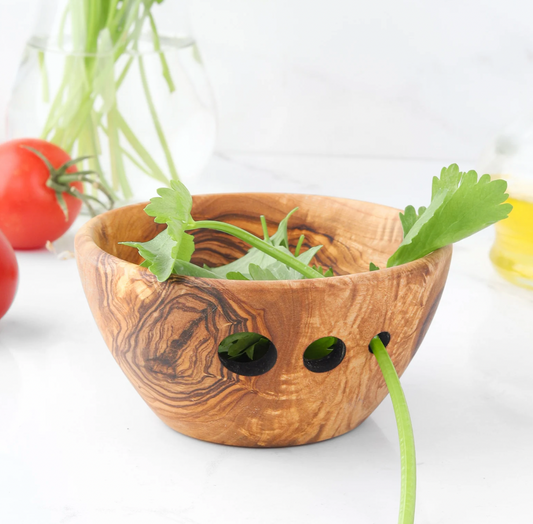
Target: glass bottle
122, 82
511, 157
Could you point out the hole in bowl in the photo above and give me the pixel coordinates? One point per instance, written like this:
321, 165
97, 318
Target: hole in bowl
249, 354
384, 336
324, 354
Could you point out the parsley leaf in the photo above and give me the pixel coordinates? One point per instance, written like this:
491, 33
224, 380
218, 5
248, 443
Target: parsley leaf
157, 254
409, 217
172, 207
251, 344
320, 348
461, 205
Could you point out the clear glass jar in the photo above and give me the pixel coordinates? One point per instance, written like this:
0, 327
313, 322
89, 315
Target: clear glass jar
121, 82
511, 157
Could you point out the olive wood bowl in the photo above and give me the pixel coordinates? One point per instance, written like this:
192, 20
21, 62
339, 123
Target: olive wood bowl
165, 335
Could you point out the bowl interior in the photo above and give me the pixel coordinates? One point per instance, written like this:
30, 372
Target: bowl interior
353, 233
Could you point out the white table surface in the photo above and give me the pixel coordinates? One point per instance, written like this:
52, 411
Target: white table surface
78, 445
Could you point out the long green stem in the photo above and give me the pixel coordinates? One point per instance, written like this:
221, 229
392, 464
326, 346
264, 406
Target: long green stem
155, 174
405, 432
157, 48
263, 246
140, 149
157, 124
122, 75
62, 26
54, 114
299, 245
94, 160
117, 166
44, 77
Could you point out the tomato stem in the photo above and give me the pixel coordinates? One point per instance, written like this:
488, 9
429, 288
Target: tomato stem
59, 181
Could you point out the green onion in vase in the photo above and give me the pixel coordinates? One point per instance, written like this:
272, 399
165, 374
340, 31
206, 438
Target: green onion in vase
121, 82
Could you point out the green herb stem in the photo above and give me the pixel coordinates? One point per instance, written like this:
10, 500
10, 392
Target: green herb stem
157, 48
124, 72
266, 236
299, 245
157, 124
256, 242
94, 161
44, 77
405, 432
136, 144
117, 166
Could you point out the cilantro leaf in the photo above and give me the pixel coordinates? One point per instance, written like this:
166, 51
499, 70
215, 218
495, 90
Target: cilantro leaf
260, 273
235, 275
320, 348
172, 207
450, 177
461, 205
373, 267
322, 271
157, 254
409, 217
238, 344
187, 269
185, 249
159, 257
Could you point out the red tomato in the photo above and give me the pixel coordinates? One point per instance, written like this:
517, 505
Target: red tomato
29, 212
8, 274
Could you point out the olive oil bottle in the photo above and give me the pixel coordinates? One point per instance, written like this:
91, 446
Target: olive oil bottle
510, 157
512, 252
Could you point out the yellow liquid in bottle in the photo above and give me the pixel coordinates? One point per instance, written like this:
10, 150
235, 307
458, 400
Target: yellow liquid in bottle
512, 253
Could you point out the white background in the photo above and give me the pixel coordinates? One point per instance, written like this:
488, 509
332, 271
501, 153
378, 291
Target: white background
359, 99
390, 78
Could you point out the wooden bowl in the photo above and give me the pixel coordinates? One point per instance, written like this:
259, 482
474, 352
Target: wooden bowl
165, 336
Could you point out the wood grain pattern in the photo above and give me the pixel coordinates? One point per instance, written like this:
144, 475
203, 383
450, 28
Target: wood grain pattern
165, 335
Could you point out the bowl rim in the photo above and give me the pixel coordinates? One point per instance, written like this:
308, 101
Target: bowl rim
437, 257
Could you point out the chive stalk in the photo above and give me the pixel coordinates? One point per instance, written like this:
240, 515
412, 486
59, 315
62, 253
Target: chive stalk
405, 432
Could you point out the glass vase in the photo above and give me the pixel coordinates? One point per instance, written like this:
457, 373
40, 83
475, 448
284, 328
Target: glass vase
122, 83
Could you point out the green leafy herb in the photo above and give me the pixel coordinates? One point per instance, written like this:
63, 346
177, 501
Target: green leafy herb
320, 348
461, 205
253, 345
241, 269
171, 251
235, 275
323, 272
157, 254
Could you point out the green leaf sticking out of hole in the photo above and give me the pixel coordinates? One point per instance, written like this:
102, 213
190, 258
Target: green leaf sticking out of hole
320, 348
251, 346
